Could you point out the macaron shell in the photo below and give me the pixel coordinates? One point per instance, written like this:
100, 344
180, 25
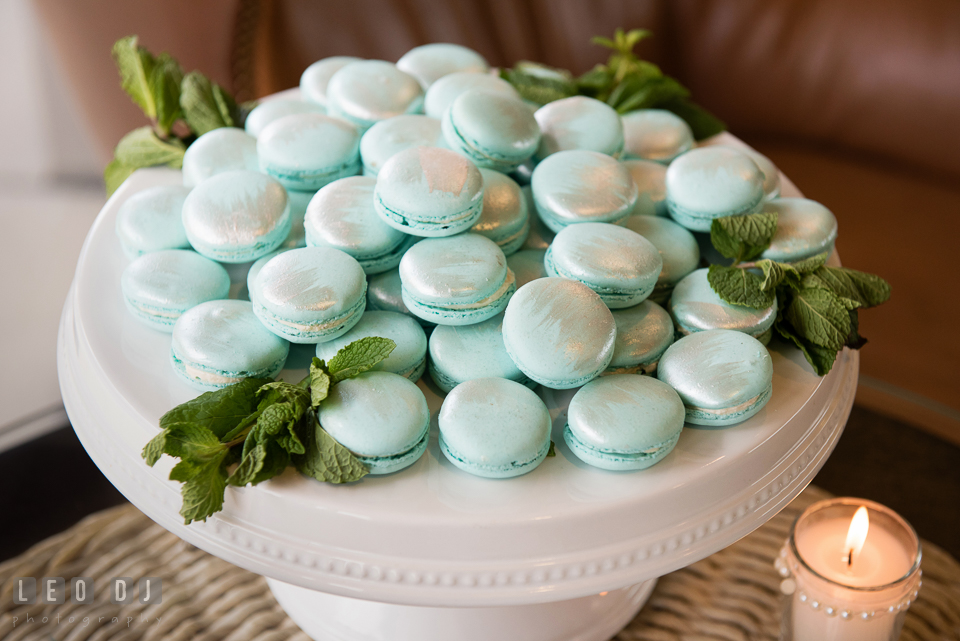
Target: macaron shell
389, 137
495, 428
444, 91
342, 216
505, 217
218, 151
459, 354
644, 332
158, 287
375, 414
722, 376
651, 180
625, 414
237, 216
309, 150
579, 122
408, 357
711, 182
316, 77
223, 339
655, 134
151, 220
771, 175
430, 192
695, 307
805, 228
559, 332
582, 186
369, 91
431, 62
455, 270
271, 110
617, 263
494, 130
678, 248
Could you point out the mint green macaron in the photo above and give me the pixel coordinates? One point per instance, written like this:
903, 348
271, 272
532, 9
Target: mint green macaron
805, 228
651, 180
644, 332
316, 77
493, 129
695, 307
270, 110
655, 134
430, 62
307, 151
217, 151
409, 357
389, 137
677, 246
444, 91
368, 91
152, 220
505, 217
582, 123
712, 182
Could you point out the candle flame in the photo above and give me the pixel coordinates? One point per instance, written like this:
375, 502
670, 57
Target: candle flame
857, 534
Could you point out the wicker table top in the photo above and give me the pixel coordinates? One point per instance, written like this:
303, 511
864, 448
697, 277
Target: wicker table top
731, 596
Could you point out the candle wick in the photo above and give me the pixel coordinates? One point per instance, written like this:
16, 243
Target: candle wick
850, 558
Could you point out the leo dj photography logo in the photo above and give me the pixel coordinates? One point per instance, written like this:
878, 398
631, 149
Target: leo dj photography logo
52, 590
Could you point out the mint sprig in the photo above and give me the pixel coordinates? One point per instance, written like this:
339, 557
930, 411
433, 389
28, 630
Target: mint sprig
817, 305
180, 108
255, 429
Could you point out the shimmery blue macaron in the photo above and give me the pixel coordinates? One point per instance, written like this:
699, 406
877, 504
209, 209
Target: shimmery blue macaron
257, 265
624, 422
651, 180
582, 186
152, 219
712, 182
805, 228
316, 77
722, 376
382, 418
310, 295
695, 307
771, 175
444, 91
389, 137
505, 218
559, 332
677, 246
644, 332
369, 91
266, 112
307, 151
237, 216
431, 62
160, 286
459, 280
655, 134
494, 428
430, 192
408, 359
221, 342
494, 130
384, 293
582, 123
459, 354
527, 265
619, 264
217, 151
342, 216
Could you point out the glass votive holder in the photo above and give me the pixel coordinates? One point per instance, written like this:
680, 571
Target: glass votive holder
837, 584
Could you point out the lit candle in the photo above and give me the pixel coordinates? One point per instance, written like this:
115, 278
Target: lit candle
851, 568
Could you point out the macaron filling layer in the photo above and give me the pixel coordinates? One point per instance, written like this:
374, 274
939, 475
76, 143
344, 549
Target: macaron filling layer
309, 180
614, 297
446, 382
210, 377
727, 415
701, 221
480, 154
469, 312
459, 221
400, 460
515, 468
618, 460
322, 329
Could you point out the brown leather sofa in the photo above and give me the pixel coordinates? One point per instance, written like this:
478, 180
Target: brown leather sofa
858, 101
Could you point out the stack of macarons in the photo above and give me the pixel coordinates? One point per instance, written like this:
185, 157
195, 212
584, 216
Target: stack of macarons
500, 246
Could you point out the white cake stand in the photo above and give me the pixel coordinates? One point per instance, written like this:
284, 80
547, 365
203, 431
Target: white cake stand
567, 552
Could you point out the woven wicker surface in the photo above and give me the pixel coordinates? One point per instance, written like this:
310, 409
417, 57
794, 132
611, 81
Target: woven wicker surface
730, 596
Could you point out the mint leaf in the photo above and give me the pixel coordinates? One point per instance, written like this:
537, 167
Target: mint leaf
250, 465
114, 174
701, 122
644, 93
219, 411
820, 358
855, 340
743, 237
154, 449
206, 106
142, 148
538, 83
203, 492
818, 316
319, 382
359, 356
552, 451
724, 242
326, 460
192, 442
775, 274
855, 289
165, 87
136, 68
739, 287
812, 264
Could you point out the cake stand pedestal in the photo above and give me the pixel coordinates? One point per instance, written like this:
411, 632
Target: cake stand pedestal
567, 552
